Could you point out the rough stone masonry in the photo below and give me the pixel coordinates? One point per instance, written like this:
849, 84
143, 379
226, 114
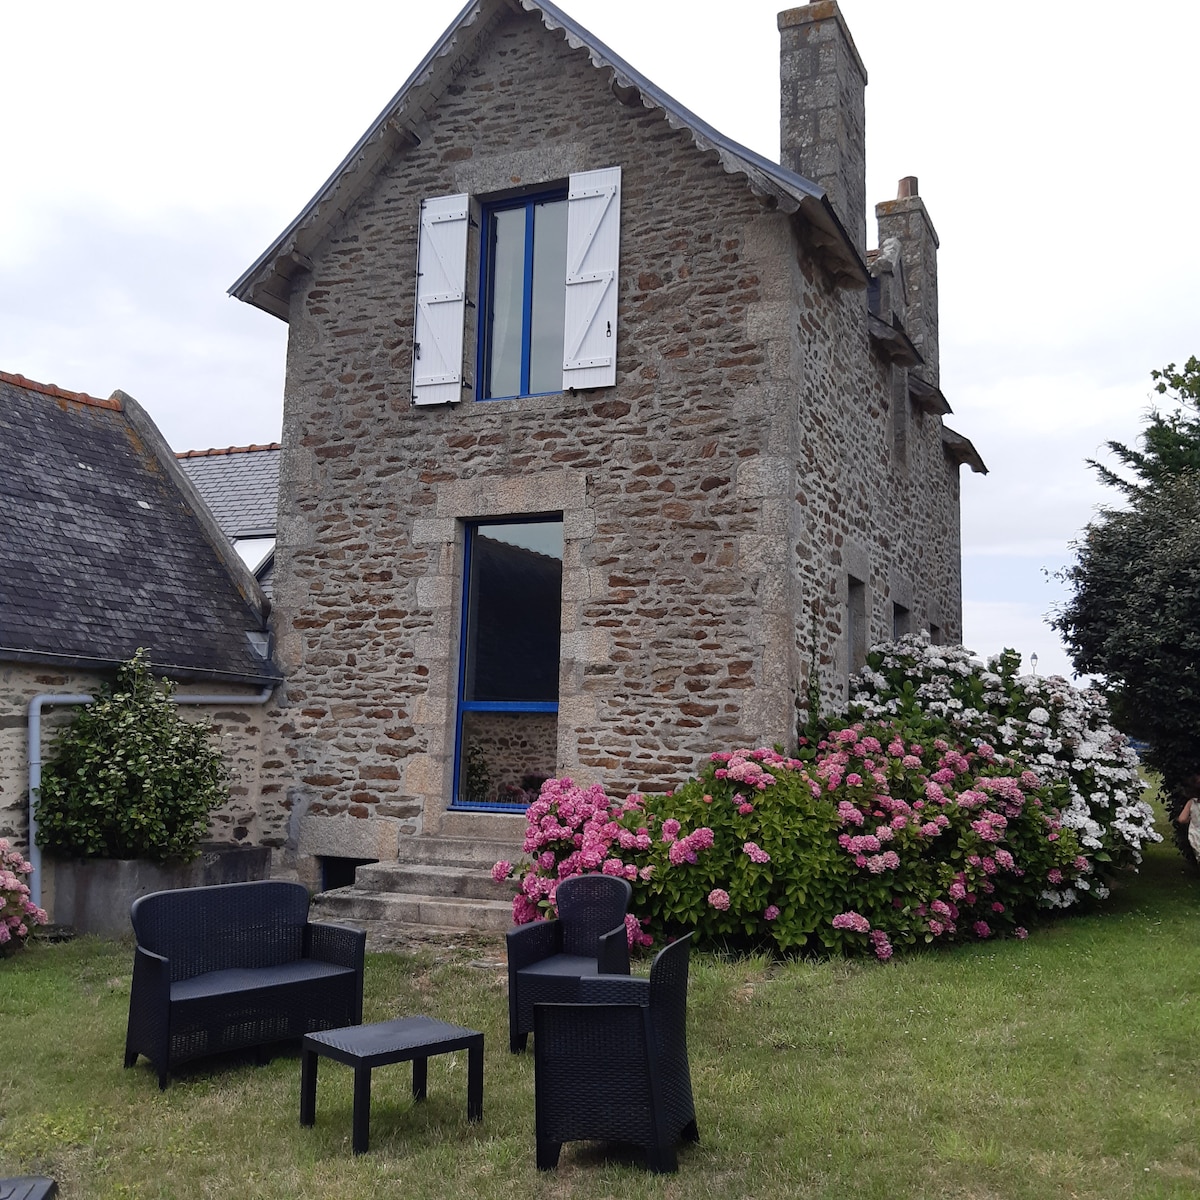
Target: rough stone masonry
746, 481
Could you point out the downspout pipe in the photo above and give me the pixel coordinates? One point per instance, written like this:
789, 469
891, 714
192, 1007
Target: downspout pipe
34, 755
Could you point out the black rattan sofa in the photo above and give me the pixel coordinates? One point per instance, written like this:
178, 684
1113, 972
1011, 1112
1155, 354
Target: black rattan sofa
236, 966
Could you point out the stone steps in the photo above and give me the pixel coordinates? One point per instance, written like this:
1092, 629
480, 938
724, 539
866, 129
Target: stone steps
349, 906
438, 886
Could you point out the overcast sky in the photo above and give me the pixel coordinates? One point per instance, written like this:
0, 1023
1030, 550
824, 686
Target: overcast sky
151, 152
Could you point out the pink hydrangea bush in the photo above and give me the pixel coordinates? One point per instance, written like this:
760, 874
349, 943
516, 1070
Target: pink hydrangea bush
875, 840
575, 831
17, 911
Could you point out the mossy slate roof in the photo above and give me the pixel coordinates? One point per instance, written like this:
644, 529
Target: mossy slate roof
106, 546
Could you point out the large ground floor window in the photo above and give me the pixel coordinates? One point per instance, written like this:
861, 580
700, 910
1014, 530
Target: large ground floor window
507, 720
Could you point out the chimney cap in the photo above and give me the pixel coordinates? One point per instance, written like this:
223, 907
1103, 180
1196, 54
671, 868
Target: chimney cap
907, 187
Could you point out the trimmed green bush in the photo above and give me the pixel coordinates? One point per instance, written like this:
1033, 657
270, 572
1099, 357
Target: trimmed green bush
129, 777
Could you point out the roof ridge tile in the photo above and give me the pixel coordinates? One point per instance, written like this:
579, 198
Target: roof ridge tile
51, 389
255, 446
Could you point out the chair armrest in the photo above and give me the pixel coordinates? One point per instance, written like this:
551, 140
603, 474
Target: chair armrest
338, 944
149, 1023
531, 943
151, 972
612, 952
614, 989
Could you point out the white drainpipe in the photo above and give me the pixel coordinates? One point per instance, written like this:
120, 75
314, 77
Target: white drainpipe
34, 754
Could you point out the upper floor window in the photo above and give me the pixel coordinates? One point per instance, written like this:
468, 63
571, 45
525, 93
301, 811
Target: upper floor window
524, 297
547, 302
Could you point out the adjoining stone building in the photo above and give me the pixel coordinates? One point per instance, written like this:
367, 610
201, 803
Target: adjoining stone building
106, 548
601, 432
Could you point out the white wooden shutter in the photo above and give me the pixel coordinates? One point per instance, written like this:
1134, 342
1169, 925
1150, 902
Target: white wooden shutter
593, 254
441, 301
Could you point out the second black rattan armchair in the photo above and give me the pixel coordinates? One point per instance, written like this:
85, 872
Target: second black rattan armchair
546, 959
615, 1067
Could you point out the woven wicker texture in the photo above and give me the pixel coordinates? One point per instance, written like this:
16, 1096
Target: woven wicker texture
617, 1069
546, 959
239, 965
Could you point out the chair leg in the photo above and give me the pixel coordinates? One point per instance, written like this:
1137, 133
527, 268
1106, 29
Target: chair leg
547, 1155
690, 1132
662, 1159
162, 1080
517, 1042
130, 1057
308, 1087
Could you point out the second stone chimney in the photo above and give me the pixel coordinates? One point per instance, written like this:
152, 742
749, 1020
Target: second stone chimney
907, 220
822, 109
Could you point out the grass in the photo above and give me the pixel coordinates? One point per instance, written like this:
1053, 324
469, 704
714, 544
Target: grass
1067, 1065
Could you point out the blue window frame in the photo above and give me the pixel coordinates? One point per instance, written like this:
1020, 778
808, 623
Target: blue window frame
523, 286
507, 714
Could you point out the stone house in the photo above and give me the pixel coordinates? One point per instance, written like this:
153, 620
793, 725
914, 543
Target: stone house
107, 547
602, 433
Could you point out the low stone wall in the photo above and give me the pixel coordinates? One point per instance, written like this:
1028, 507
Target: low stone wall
94, 896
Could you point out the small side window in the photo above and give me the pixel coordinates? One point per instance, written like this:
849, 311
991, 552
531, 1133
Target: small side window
856, 624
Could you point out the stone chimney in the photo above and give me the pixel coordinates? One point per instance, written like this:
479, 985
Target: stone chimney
822, 102
907, 220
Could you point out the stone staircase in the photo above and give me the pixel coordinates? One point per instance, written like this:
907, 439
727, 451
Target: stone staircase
440, 886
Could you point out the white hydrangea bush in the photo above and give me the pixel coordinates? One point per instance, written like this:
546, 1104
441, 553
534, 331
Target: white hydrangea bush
1060, 731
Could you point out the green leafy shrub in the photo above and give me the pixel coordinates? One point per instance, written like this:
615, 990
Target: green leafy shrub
129, 777
876, 839
1062, 732
952, 801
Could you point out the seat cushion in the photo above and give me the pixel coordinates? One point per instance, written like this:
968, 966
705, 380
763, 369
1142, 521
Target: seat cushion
250, 979
559, 965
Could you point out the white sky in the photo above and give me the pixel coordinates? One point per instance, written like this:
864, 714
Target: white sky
150, 152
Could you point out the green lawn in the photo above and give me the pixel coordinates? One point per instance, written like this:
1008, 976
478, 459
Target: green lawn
1067, 1065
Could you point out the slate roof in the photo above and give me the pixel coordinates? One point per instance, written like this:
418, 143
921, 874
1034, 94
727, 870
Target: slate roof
403, 122
239, 485
106, 546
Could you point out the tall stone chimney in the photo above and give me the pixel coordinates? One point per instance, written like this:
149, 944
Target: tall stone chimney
907, 220
822, 109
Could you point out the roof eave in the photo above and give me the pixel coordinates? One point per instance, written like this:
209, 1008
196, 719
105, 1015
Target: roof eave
270, 677
961, 450
927, 397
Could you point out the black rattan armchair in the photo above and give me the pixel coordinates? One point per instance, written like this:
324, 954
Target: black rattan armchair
546, 959
615, 1067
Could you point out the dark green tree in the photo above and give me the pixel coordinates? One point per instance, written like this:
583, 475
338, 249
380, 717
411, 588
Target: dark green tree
1170, 441
1134, 617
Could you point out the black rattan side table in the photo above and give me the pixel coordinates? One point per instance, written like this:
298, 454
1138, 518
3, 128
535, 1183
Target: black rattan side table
365, 1047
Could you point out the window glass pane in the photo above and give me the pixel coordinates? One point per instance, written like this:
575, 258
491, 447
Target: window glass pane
514, 596
506, 275
549, 296
506, 757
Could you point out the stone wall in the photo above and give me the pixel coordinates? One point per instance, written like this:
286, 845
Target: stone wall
713, 500
239, 732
